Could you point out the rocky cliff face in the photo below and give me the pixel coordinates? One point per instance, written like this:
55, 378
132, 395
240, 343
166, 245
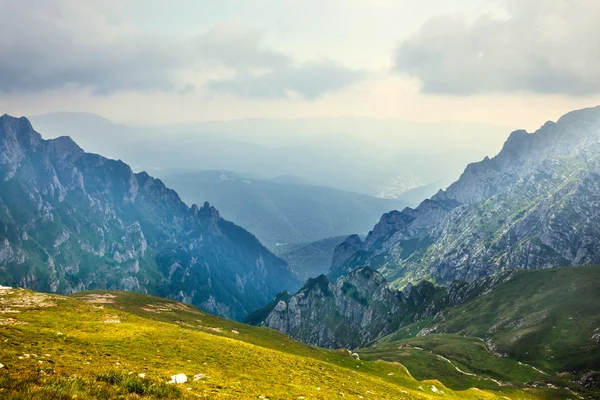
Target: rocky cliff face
343, 253
534, 205
72, 221
360, 307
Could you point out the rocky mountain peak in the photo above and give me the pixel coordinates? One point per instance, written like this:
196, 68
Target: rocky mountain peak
207, 211
65, 148
538, 186
19, 125
343, 252
16, 138
75, 220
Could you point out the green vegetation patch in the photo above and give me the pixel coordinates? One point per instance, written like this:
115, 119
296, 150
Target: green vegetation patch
104, 345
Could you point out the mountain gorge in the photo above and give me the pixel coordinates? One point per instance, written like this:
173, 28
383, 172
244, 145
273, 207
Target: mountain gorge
334, 152
471, 320
281, 211
71, 221
500, 265
535, 205
309, 260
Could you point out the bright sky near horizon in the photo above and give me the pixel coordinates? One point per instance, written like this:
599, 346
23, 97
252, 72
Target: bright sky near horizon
514, 63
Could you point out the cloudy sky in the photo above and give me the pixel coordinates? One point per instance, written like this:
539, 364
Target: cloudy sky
514, 63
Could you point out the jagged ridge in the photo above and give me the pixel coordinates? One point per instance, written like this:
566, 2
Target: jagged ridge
71, 221
360, 307
534, 205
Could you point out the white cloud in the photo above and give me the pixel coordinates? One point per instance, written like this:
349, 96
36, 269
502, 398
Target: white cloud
56, 44
541, 46
50, 44
309, 80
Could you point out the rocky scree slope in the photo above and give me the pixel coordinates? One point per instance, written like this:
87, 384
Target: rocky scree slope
361, 307
71, 221
534, 205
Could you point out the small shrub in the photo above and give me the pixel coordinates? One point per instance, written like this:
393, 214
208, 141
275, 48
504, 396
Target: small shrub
139, 386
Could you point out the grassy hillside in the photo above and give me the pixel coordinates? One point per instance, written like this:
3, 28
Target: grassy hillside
548, 321
94, 345
547, 318
459, 362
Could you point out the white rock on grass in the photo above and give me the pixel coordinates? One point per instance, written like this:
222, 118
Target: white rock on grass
434, 389
177, 379
199, 376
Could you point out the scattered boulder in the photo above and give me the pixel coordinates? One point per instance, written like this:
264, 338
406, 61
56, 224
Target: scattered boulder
596, 336
1, 366
177, 379
99, 298
235, 332
199, 376
427, 331
355, 356
111, 319
142, 376
590, 380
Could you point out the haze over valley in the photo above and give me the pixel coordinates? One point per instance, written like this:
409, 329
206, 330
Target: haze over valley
378, 157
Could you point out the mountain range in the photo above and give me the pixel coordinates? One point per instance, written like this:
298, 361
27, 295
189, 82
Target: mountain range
493, 258
465, 334
534, 205
282, 211
489, 298
361, 307
71, 221
361, 155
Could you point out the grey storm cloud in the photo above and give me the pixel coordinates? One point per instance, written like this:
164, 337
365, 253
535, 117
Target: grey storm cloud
310, 80
50, 44
55, 44
542, 46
